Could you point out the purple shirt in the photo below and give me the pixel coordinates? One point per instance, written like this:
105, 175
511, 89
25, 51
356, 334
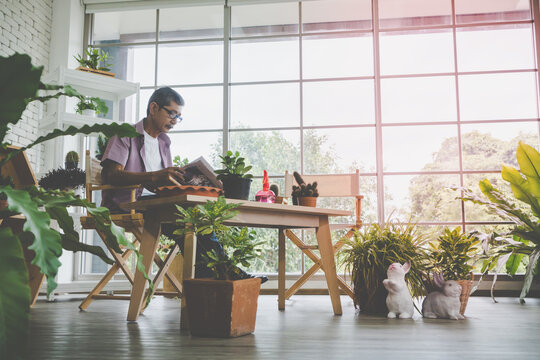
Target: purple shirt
129, 152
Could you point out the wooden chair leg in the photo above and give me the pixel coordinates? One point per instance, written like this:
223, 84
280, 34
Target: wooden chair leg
316, 266
105, 280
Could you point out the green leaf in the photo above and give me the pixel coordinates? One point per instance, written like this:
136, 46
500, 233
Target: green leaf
529, 160
19, 80
120, 130
529, 273
14, 297
521, 188
47, 242
512, 263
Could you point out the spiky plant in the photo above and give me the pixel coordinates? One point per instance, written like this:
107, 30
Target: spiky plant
303, 189
369, 253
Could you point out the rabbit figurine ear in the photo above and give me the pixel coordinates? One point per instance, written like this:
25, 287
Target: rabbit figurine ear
439, 280
407, 267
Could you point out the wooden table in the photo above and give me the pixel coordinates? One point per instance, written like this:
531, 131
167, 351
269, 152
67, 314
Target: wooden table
250, 213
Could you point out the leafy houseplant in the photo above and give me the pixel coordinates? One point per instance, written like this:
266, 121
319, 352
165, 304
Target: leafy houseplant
210, 302
234, 176
453, 256
369, 253
94, 104
304, 194
523, 241
95, 57
19, 85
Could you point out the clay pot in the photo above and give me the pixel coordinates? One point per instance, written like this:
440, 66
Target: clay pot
466, 287
222, 308
307, 201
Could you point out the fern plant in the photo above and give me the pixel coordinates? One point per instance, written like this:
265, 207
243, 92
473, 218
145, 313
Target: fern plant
20, 83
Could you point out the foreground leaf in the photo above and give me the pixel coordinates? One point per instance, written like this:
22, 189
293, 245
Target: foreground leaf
122, 130
47, 242
14, 297
529, 273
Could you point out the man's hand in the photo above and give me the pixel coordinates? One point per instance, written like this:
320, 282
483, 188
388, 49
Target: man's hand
161, 177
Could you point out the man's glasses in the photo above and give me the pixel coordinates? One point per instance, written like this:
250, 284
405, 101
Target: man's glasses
172, 114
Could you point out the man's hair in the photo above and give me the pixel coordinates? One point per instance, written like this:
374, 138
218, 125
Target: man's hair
163, 97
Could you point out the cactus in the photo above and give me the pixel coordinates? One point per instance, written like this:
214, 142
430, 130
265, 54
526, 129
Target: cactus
275, 189
72, 157
303, 189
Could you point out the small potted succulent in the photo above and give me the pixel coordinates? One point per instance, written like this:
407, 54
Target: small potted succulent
91, 106
453, 255
304, 194
234, 176
94, 58
221, 307
72, 160
279, 199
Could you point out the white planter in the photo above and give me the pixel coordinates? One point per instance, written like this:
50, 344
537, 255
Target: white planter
89, 112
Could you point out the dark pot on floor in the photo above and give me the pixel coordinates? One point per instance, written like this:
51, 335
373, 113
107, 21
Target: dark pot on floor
236, 187
222, 308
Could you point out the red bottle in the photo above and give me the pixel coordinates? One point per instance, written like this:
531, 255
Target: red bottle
265, 195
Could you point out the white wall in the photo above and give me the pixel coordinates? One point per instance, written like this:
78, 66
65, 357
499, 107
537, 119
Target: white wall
26, 28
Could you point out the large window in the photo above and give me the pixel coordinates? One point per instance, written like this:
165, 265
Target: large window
427, 95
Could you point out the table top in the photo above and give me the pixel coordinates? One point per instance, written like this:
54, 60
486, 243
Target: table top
153, 203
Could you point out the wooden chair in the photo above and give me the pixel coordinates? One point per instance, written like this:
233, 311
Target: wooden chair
338, 185
20, 171
132, 222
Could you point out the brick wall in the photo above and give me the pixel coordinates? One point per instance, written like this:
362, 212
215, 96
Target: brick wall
25, 27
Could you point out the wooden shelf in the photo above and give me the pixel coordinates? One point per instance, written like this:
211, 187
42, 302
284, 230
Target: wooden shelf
91, 84
67, 119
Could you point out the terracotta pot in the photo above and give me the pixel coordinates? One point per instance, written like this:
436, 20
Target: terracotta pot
307, 201
466, 286
281, 200
222, 308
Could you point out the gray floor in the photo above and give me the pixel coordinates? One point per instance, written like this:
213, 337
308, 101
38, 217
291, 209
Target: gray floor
306, 330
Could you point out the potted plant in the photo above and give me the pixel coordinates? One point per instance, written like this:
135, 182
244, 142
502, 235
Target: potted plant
234, 176
369, 253
38, 206
91, 106
279, 199
523, 242
94, 57
221, 307
72, 160
304, 194
453, 255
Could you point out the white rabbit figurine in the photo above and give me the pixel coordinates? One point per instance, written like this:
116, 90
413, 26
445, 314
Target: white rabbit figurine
399, 300
444, 302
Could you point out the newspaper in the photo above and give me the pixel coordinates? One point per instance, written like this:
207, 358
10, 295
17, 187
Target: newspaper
200, 173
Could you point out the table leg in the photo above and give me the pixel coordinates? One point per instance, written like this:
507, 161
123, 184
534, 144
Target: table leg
281, 269
149, 242
188, 272
324, 240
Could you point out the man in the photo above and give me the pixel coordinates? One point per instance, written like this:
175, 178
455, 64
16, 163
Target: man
147, 160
